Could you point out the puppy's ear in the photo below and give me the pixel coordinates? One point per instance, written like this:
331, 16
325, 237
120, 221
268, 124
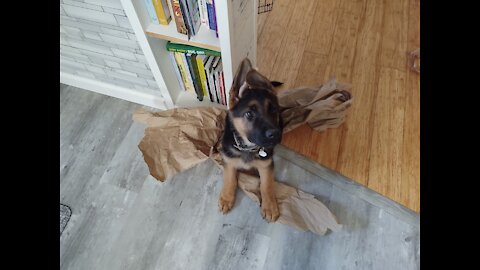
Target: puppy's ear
257, 80
239, 80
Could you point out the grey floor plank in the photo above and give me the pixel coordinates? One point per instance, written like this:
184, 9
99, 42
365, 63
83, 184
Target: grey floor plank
92, 229
370, 239
122, 218
132, 176
177, 224
148, 225
239, 248
89, 140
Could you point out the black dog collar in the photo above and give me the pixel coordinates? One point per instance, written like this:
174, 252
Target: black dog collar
242, 147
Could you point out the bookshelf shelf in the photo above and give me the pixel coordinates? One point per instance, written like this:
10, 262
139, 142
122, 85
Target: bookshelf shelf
186, 99
205, 38
237, 39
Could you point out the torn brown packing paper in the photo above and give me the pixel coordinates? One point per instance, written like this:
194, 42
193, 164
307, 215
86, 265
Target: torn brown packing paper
414, 60
320, 107
178, 139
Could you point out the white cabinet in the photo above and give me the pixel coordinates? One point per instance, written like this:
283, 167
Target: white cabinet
237, 38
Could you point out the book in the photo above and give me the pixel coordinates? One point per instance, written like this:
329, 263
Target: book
175, 47
218, 71
222, 86
194, 13
214, 17
192, 65
177, 70
189, 85
203, 12
215, 79
163, 14
211, 22
211, 79
201, 72
177, 15
210, 84
186, 18
151, 11
205, 61
225, 90
196, 75
183, 73
170, 9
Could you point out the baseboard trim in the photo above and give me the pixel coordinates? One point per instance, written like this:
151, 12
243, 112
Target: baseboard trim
133, 95
358, 190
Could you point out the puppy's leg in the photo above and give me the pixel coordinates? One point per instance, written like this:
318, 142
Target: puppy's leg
227, 196
269, 201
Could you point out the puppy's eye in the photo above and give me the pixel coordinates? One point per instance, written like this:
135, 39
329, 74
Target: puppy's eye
249, 115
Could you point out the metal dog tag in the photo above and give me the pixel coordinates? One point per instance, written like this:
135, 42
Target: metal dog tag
262, 153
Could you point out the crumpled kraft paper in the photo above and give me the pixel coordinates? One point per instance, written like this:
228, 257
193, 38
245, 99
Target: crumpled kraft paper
414, 60
178, 139
321, 107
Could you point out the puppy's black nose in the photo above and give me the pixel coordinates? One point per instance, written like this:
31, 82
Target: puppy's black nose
272, 133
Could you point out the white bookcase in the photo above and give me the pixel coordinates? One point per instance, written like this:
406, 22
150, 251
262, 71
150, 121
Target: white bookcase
237, 38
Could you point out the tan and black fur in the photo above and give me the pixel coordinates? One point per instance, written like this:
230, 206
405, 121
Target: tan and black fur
252, 129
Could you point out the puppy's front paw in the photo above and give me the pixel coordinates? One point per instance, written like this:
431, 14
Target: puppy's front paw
270, 210
225, 203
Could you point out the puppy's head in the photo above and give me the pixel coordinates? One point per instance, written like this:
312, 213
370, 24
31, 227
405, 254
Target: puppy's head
254, 108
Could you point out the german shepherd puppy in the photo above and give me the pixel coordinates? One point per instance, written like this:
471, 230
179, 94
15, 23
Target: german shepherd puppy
253, 127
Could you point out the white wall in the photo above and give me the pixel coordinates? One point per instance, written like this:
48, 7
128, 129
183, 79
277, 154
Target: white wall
98, 43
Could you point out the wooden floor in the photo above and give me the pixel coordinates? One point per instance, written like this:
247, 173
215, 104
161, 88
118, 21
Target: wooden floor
364, 43
122, 218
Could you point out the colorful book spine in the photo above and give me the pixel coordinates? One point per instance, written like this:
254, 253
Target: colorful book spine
177, 71
211, 22
215, 17
205, 61
218, 71
194, 73
202, 16
215, 80
188, 76
217, 87
194, 14
177, 15
175, 47
186, 18
212, 79
151, 11
203, 12
170, 9
225, 90
222, 87
163, 14
211, 87
201, 73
